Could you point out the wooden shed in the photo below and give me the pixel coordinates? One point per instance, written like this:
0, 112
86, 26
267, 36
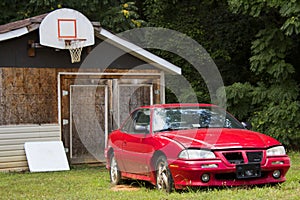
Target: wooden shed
46, 97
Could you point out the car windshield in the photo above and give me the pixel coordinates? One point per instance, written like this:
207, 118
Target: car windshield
165, 119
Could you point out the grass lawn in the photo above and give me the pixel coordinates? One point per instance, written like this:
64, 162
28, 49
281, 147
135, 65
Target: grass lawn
93, 183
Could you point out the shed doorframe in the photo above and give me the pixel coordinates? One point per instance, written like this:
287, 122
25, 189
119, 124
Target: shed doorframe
60, 74
153, 79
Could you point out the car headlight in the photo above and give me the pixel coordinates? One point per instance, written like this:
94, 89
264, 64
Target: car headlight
191, 154
276, 151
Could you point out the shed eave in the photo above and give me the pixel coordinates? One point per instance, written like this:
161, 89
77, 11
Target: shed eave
139, 52
13, 34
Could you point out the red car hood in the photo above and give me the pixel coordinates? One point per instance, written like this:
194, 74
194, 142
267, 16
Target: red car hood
223, 138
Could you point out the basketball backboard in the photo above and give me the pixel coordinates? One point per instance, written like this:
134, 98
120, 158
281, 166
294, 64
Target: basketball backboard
64, 25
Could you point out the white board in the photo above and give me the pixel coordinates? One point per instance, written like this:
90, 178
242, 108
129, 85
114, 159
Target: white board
65, 23
46, 156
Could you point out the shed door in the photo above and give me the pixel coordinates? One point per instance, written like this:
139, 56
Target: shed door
88, 127
131, 97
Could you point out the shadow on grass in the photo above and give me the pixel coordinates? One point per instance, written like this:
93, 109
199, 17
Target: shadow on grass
138, 184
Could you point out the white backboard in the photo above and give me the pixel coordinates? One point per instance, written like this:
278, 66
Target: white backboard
63, 24
46, 156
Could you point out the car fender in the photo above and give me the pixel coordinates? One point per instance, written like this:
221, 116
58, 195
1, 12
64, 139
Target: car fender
168, 147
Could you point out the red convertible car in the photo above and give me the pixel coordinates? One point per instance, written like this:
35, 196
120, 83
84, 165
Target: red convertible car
180, 145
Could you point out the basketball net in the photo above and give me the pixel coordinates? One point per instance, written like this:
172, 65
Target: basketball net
75, 47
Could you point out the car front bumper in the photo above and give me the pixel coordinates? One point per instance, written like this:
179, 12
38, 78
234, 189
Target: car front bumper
218, 173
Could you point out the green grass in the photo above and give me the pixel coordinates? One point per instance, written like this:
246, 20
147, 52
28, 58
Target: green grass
93, 183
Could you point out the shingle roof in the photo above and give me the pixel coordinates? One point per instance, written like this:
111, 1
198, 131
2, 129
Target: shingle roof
29, 23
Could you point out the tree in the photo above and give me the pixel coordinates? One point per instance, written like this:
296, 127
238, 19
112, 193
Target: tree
116, 15
11, 10
274, 98
226, 36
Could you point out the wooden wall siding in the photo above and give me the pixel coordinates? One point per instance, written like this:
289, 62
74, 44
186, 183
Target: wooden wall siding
12, 139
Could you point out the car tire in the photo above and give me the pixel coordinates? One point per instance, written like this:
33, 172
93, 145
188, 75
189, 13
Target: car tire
164, 179
114, 172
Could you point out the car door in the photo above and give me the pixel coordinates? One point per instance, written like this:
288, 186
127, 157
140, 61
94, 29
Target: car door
136, 148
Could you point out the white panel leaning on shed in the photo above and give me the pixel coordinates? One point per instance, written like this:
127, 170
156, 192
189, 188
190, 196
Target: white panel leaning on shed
46, 156
13, 138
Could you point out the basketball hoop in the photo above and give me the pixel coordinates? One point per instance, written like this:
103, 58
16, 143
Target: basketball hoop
75, 47
67, 29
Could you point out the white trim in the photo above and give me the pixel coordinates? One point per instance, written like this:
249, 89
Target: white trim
115, 103
125, 45
70, 124
162, 88
13, 34
59, 99
118, 102
110, 73
106, 117
151, 93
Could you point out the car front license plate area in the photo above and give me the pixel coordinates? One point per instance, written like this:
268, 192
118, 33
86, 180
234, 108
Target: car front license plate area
244, 171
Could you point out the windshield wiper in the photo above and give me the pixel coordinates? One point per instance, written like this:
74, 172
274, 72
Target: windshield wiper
167, 129
202, 127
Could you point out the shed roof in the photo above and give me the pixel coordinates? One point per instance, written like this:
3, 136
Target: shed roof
22, 27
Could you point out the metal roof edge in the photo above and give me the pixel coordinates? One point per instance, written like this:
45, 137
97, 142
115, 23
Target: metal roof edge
13, 34
20, 27
139, 52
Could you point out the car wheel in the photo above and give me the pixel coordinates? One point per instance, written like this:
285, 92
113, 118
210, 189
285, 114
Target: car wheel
164, 179
115, 174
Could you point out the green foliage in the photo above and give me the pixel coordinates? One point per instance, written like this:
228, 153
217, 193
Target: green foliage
274, 98
273, 110
121, 17
269, 53
240, 94
11, 10
224, 35
116, 15
280, 121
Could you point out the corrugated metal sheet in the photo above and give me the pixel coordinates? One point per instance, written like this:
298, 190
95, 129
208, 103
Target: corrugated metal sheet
12, 139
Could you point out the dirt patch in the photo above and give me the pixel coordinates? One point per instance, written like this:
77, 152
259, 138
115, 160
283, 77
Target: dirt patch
124, 188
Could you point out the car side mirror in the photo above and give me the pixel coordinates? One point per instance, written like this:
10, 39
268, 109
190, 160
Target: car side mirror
141, 128
247, 125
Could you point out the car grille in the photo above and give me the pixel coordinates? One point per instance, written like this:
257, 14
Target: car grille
254, 156
237, 157
234, 157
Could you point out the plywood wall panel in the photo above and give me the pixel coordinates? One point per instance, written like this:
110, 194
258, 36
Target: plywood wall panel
28, 95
